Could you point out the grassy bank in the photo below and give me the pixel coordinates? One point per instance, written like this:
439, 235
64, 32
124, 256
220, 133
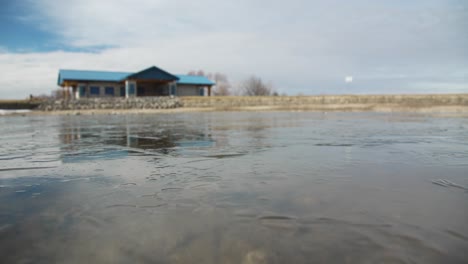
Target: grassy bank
19, 104
330, 102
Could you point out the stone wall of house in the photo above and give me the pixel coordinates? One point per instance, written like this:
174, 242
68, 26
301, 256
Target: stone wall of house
163, 102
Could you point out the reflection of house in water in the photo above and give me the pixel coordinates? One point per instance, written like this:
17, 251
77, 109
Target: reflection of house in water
84, 142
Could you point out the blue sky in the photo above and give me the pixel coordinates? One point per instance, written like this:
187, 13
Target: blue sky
306, 47
18, 34
22, 32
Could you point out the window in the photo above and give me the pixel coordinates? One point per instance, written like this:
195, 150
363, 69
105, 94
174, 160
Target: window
94, 90
82, 91
131, 88
109, 91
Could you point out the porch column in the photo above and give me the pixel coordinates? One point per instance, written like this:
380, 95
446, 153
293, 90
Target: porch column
67, 93
76, 91
209, 90
130, 88
127, 88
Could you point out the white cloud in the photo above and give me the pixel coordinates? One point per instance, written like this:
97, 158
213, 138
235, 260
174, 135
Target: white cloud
300, 46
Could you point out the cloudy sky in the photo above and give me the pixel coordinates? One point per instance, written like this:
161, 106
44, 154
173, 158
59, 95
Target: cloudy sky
308, 47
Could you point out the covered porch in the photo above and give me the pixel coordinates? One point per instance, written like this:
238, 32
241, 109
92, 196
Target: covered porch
150, 82
153, 88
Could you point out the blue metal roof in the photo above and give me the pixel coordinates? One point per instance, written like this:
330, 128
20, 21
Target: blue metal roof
103, 76
106, 76
195, 80
153, 73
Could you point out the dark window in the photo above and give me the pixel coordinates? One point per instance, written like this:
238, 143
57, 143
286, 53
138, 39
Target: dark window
109, 91
131, 89
94, 90
82, 90
122, 91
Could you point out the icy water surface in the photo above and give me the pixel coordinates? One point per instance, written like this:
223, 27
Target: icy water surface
234, 188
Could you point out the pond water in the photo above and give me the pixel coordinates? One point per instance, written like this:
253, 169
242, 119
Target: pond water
234, 187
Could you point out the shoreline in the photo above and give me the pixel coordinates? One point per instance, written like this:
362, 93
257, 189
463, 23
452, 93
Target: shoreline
456, 110
421, 103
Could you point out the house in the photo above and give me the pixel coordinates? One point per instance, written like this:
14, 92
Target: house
149, 82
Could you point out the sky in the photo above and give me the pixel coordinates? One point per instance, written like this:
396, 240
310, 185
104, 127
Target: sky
300, 47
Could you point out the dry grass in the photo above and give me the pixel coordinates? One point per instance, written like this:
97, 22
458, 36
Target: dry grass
416, 101
13, 101
19, 104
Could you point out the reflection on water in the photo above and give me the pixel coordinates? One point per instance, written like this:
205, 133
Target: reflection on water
234, 188
138, 137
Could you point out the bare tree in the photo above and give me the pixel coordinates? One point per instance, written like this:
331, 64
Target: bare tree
59, 93
222, 86
201, 73
196, 73
254, 86
39, 97
222, 89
